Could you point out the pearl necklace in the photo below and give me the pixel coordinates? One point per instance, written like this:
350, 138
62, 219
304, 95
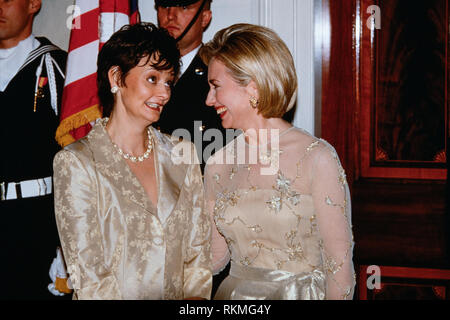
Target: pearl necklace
132, 158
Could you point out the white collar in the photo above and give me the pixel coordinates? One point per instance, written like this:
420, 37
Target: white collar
187, 59
12, 59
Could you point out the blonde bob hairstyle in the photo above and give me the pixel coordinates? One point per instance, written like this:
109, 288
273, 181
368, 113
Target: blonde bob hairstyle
252, 52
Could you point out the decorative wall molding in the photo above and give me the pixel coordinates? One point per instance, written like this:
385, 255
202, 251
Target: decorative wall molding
264, 9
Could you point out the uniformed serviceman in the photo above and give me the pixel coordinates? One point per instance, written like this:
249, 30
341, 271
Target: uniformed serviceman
31, 83
186, 20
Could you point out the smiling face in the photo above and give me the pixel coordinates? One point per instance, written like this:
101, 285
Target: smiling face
229, 98
176, 19
16, 19
144, 92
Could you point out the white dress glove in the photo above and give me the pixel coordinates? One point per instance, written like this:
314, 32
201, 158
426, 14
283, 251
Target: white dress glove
58, 270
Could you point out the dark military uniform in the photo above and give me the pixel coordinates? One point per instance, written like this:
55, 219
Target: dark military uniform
28, 235
187, 109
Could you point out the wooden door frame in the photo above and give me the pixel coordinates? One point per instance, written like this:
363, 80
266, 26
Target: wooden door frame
347, 61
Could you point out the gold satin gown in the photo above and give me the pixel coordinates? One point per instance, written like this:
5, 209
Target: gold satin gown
283, 216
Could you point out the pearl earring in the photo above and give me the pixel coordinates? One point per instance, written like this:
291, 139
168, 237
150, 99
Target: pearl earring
114, 89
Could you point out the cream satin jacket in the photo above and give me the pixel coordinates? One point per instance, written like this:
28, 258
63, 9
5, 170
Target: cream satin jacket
115, 243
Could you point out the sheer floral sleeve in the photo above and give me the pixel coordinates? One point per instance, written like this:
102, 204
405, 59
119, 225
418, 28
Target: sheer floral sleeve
331, 199
219, 247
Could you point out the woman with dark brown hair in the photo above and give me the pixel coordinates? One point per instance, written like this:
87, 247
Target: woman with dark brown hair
129, 212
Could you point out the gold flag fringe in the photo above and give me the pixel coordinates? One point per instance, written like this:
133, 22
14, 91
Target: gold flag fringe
77, 120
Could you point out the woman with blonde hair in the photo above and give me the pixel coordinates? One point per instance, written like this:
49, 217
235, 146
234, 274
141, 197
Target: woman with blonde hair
277, 194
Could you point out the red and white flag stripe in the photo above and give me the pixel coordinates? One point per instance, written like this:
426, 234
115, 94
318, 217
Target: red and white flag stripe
92, 27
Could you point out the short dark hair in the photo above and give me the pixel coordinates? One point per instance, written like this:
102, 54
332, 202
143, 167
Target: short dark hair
126, 48
208, 5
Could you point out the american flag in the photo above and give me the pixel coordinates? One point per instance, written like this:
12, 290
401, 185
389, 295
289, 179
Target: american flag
94, 22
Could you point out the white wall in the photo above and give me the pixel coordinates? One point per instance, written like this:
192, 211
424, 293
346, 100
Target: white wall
51, 22
293, 20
